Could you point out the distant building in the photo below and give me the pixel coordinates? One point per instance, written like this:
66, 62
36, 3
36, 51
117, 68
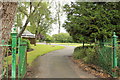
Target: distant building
31, 37
28, 35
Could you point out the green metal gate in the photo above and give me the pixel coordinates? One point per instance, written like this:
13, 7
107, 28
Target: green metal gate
22, 48
108, 57
105, 51
14, 65
118, 57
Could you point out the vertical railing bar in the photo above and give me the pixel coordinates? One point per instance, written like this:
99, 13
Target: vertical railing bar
7, 65
14, 45
26, 59
19, 42
114, 55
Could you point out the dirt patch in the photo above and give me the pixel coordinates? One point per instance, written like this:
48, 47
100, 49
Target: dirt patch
92, 69
29, 72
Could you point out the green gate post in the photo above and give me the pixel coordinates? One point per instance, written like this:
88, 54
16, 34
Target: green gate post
14, 45
114, 65
19, 65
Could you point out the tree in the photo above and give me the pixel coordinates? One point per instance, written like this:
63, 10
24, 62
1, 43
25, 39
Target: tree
40, 18
58, 15
62, 37
48, 38
7, 14
43, 20
23, 8
87, 21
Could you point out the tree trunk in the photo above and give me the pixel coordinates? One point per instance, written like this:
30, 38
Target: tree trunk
90, 44
59, 23
58, 17
83, 44
7, 14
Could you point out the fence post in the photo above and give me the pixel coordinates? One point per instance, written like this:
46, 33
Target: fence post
19, 65
14, 45
114, 65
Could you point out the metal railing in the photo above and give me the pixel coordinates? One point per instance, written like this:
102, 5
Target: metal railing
108, 56
16, 68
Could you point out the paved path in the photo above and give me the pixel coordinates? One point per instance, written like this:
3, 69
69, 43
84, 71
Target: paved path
57, 64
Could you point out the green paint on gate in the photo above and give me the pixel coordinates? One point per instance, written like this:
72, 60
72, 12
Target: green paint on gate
114, 54
20, 47
107, 58
14, 47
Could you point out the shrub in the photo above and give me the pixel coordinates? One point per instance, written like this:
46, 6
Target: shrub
90, 55
87, 54
79, 53
62, 38
48, 38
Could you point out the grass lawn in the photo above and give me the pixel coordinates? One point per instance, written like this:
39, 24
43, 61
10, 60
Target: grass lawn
39, 50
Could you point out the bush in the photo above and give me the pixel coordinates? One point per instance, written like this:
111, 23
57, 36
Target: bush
62, 38
48, 38
90, 55
87, 54
79, 53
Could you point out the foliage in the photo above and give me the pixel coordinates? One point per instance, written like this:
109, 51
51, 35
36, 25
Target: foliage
38, 17
87, 21
48, 38
87, 54
62, 37
42, 19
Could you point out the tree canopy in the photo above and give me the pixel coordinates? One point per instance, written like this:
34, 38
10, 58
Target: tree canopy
37, 15
87, 21
62, 37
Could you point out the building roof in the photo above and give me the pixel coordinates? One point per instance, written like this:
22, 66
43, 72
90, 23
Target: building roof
28, 34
